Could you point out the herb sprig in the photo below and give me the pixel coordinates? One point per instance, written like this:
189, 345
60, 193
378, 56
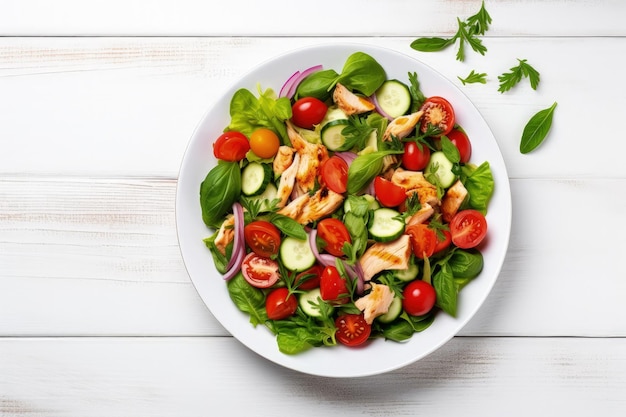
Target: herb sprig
523, 70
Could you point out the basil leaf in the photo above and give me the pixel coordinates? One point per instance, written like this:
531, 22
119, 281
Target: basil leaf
479, 184
449, 150
363, 73
318, 84
431, 44
446, 289
537, 129
248, 299
466, 264
289, 226
219, 190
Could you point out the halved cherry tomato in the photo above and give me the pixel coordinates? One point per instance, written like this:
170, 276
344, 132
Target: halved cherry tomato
309, 279
333, 286
264, 143
439, 113
423, 240
388, 193
308, 112
443, 242
335, 174
279, 304
462, 143
415, 157
418, 298
259, 271
335, 234
262, 237
352, 329
468, 228
231, 146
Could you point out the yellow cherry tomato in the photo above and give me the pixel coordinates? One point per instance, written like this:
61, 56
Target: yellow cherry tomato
264, 143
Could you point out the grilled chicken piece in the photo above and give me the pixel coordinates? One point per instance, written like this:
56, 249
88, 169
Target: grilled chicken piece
226, 234
452, 200
311, 158
283, 159
307, 208
421, 215
349, 102
376, 302
401, 126
414, 181
287, 182
389, 255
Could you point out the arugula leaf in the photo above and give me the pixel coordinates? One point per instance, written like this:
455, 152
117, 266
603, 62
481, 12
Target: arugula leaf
537, 129
474, 77
524, 70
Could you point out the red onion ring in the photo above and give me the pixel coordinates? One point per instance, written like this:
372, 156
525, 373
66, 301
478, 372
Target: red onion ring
234, 264
347, 156
378, 108
284, 90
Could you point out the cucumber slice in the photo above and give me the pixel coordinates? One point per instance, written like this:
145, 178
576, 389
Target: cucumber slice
255, 177
309, 302
394, 311
296, 254
331, 134
408, 274
441, 168
394, 98
266, 197
386, 225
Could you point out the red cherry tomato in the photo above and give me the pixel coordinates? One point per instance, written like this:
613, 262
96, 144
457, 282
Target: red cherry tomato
335, 234
419, 298
335, 174
415, 157
264, 143
388, 193
309, 279
468, 228
443, 243
308, 112
352, 329
262, 237
423, 240
259, 271
439, 113
333, 286
231, 146
279, 304
462, 143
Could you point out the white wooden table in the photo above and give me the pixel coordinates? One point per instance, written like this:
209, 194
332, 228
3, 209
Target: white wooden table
98, 316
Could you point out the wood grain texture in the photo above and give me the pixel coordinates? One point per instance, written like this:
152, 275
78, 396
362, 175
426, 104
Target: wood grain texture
210, 376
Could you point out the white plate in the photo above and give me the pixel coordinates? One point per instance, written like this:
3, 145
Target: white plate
379, 356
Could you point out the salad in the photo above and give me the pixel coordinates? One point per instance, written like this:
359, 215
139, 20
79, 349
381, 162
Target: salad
345, 206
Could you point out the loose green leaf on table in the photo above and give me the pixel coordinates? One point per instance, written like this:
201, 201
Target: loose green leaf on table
537, 129
474, 77
524, 70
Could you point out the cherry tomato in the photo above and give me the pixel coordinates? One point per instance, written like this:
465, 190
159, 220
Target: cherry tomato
309, 279
335, 234
264, 143
443, 243
259, 271
462, 143
279, 304
333, 286
439, 113
388, 193
418, 298
231, 146
415, 157
262, 237
308, 112
352, 329
423, 240
335, 174
468, 228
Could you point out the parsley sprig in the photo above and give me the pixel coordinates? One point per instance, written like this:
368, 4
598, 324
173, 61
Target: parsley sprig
474, 77
523, 70
468, 32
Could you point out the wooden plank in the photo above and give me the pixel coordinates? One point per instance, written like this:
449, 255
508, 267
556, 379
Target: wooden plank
130, 105
198, 376
112, 244
327, 18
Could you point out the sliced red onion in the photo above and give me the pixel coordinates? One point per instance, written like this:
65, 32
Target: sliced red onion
234, 264
300, 77
360, 275
378, 108
284, 90
347, 156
